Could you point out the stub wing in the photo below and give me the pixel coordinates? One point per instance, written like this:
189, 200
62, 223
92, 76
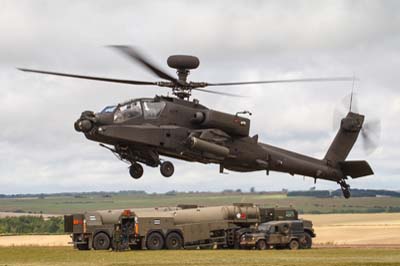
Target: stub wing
356, 169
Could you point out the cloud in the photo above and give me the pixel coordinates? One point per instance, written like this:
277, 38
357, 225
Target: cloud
40, 151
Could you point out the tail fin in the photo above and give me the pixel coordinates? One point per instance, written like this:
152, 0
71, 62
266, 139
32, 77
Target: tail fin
347, 135
340, 148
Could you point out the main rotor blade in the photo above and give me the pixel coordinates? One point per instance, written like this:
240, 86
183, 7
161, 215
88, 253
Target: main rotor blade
125, 81
133, 54
282, 81
220, 93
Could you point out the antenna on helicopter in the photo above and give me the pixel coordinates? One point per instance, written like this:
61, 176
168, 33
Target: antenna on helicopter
352, 90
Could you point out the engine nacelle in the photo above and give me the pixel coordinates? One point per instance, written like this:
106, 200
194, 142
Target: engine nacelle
231, 124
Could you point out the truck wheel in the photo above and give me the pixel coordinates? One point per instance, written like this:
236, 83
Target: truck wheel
174, 241
155, 241
294, 244
82, 246
261, 245
167, 169
307, 242
101, 242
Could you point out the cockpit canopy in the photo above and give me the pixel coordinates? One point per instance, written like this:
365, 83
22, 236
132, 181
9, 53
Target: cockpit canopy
148, 108
108, 109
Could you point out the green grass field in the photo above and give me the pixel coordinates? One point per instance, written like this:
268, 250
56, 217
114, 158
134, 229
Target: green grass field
60, 205
328, 257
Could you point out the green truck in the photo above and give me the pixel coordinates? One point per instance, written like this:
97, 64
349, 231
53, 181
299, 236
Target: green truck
220, 226
278, 234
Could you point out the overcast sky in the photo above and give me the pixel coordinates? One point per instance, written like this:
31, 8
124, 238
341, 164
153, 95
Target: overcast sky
235, 41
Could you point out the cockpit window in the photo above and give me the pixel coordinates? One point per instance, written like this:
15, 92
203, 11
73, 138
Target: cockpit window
152, 110
108, 109
128, 111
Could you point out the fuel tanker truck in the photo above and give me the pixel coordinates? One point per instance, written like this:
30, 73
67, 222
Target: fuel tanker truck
171, 228
95, 229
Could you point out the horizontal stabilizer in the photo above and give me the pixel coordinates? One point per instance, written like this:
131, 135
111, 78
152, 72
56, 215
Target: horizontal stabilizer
356, 169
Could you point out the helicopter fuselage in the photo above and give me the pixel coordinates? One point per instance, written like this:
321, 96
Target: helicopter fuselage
142, 130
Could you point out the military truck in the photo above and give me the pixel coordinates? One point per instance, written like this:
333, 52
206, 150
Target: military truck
278, 234
95, 229
187, 227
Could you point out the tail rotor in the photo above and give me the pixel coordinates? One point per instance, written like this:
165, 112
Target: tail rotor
371, 128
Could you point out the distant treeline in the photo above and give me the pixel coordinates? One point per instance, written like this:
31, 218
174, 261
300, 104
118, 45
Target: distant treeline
107, 194
338, 193
75, 194
307, 193
31, 225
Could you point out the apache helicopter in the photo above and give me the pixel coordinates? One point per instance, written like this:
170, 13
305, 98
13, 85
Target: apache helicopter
141, 130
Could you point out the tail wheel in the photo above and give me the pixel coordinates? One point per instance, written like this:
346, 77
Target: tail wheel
261, 245
155, 241
136, 171
345, 188
167, 169
174, 241
101, 242
294, 244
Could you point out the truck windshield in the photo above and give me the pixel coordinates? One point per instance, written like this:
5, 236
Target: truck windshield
152, 110
264, 227
127, 111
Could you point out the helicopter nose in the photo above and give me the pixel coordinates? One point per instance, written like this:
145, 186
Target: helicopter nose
104, 119
85, 123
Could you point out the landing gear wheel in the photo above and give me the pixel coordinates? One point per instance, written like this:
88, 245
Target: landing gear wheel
167, 169
346, 193
345, 189
136, 171
261, 245
174, 241
294, 244
155, 241
101, 242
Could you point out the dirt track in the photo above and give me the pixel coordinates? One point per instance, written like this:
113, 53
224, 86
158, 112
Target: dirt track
353, 230
35, 240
